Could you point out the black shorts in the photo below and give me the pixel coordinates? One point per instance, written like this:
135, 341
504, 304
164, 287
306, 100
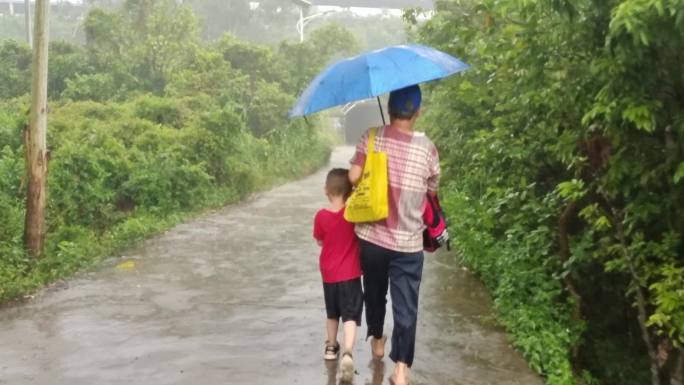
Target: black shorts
344, 299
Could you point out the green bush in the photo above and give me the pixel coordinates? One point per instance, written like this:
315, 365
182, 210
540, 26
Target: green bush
119, 171
164, 111
15, 61
66, 61
98, 87
267, 109
11, 171
562, 158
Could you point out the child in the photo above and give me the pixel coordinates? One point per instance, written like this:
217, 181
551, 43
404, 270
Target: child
341, 270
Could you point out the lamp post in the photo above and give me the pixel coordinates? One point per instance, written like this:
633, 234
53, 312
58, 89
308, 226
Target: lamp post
302, 4
303, 21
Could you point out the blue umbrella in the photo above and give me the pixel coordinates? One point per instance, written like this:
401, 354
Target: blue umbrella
373, 74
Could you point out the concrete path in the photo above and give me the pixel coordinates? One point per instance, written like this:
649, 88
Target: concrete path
235, 297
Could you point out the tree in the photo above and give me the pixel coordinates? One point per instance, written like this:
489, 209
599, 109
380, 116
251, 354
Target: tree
270, 22
305, 60
257, 61
143, 43
159, 34
220, 16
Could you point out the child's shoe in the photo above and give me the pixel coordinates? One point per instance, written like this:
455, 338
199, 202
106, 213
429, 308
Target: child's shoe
347, 368
331, 351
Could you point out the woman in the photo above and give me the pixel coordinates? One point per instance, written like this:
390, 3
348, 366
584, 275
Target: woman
392, 249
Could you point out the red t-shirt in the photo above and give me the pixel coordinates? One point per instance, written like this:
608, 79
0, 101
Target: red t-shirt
339, 260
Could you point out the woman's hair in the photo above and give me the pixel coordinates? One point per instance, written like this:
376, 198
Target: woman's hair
401, 115
337, 182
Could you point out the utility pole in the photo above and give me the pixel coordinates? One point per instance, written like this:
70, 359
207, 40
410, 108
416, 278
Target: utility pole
36, 137
27, 21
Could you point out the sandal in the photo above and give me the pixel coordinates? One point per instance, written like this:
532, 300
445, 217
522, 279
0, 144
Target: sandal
331, 351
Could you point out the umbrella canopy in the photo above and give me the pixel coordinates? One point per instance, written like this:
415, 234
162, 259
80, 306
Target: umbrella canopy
373, 74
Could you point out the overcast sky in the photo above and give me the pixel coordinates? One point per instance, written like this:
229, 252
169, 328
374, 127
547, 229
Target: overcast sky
355, 10
358, 11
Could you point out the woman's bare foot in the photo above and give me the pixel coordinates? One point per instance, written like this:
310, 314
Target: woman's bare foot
378, 347
400, 375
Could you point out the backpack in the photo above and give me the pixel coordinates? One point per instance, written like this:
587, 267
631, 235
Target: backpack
435, 234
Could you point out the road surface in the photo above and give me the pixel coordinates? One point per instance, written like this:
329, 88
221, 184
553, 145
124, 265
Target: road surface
234, 297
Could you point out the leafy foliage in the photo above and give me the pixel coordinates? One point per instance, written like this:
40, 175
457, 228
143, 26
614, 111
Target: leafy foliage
315, 53
147, 125
562, 149
15, 59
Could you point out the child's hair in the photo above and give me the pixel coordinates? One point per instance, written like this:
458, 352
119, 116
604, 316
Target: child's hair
337, 182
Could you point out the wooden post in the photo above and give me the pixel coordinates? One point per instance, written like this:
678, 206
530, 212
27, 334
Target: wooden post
27, 21
36, 137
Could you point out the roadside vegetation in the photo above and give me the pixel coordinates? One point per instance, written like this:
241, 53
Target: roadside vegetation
563, 153
148, 124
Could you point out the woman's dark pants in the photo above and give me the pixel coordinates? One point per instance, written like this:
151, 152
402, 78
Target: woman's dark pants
401, 272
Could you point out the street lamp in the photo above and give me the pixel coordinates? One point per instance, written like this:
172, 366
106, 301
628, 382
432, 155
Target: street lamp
303, 21
302, 4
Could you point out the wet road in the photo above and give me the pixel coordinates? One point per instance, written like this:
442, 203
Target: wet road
234, 297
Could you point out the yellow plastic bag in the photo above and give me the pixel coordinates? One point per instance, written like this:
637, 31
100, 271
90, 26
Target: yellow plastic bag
369, 202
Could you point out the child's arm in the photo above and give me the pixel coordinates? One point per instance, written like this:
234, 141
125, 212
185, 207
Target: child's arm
318, 232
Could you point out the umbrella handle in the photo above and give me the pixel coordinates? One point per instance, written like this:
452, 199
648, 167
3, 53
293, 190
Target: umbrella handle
382, 114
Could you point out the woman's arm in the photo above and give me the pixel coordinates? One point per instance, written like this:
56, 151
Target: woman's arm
355, 174
358, 160
434, 170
